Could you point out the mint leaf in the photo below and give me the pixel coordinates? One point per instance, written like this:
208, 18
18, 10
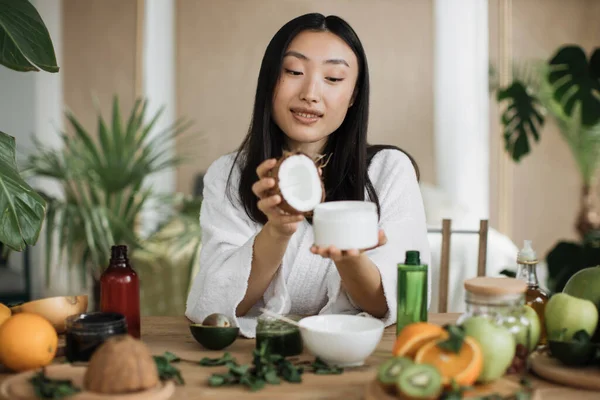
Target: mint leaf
272, 378
454, 342
216, 362
170, 357
166, 371
321, 368
582, 337
47, 388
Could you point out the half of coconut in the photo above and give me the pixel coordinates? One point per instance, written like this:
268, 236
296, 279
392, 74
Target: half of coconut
298, 182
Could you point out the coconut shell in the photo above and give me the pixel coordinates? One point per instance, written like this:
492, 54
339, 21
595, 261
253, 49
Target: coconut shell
122, 364
274, 173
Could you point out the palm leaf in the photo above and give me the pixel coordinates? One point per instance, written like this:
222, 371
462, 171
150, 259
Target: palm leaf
583, 141
102, 176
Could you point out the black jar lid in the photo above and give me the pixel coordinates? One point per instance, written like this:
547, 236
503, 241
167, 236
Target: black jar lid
95, 321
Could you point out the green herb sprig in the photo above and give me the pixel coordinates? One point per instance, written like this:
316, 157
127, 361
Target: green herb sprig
166, 370
266, 368
319, 367
47, 388
456, 337
217, 362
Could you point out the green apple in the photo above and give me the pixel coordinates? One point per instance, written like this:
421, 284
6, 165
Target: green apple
585, 284
525, 326
497, 345
517, 327
566, 314
535, 327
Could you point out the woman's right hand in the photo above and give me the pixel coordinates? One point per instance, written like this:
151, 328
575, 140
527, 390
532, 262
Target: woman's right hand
279, 222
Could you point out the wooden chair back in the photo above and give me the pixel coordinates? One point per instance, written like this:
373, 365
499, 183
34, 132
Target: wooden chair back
445, 257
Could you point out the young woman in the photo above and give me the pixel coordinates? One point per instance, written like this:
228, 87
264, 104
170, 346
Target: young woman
312, 95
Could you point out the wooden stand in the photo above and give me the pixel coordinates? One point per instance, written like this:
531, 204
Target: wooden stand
17, 387
551, 369
503, 386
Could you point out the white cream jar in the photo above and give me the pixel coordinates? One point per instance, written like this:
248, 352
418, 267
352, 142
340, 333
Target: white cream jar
346, 224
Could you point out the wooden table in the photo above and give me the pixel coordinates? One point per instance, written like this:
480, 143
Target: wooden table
172, 334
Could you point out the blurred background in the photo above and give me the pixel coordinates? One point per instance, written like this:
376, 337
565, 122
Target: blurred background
436, 68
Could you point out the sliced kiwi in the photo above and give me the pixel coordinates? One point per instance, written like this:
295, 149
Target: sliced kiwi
419, 381
390, 370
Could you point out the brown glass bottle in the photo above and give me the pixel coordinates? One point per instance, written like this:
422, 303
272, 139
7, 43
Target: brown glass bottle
535, 296
120, 290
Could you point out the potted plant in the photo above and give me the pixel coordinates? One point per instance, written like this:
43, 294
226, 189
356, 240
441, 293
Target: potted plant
567, 88
103, 177
25, 46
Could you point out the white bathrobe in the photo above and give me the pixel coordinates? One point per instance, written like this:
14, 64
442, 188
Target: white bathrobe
305, 283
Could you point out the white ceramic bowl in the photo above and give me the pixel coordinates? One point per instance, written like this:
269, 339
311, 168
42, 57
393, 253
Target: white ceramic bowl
346, 224
342, 340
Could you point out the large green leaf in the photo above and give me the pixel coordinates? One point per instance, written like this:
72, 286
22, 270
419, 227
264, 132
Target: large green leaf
522, 118
577, 81
25, 43
21, 208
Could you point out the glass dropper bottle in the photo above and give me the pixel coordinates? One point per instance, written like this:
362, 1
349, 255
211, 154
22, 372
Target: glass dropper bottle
535, 296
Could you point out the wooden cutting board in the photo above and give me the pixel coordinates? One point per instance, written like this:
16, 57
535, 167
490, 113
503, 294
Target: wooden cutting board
553, 370
17, 387
503, 386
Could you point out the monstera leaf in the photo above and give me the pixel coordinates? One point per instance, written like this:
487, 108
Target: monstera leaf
577, 81
24, 40
574, 86
21, 208
522, 118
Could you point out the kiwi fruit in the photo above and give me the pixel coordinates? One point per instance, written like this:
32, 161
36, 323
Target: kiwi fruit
390, 370
419, 381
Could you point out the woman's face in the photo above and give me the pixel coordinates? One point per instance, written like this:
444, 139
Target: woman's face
315, 88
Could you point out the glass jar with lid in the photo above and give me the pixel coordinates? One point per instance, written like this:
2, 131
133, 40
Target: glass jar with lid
282, 338
501, 301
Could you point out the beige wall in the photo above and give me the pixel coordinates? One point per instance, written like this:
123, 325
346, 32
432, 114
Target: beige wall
546, 182
220, 46
220, 49
99, 56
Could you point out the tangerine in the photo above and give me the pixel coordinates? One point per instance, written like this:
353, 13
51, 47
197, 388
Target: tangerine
27, 341
5, 313
413, 336
463, 367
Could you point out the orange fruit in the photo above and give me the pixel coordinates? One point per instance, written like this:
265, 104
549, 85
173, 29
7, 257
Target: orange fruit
413, 336
27, 341
5, 313
464, 367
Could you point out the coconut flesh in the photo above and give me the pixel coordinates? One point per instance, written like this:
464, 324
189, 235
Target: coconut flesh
298, 182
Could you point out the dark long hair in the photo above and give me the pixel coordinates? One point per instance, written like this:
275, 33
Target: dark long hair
345, 176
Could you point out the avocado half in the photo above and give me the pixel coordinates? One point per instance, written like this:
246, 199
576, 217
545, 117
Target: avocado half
572, 353
214, 337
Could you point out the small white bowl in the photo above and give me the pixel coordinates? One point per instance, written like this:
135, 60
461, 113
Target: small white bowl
342, 340
346, 224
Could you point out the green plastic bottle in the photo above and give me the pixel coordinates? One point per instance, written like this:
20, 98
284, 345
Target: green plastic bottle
412, 291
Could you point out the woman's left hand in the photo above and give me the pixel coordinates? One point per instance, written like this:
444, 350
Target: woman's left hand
338, 255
